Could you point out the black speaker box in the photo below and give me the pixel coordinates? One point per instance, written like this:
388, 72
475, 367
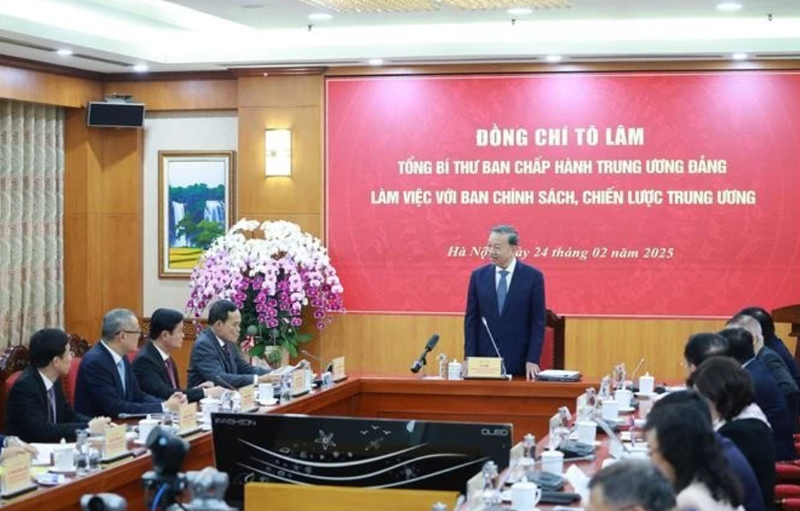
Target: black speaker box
115, 115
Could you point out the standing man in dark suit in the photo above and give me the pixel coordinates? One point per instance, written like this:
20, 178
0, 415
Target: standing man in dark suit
215, 357
106, 384
509, 295
154, 367
36, 410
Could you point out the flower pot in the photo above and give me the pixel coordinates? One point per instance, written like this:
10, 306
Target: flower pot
284, 360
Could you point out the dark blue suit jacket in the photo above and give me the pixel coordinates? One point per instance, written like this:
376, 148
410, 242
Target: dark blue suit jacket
772, 403
208, 362
99, 391
519, 329
777, 345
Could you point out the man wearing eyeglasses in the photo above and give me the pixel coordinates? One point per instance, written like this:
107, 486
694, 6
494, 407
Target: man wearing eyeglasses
36, 410
106, 383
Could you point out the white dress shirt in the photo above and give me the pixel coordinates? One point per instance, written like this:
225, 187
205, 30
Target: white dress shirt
510, 271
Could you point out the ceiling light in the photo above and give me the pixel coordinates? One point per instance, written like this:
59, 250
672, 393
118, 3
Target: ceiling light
64, 52
140, 68
553, 58
519, 11
739, 56
729, 6
320, 16
375, 62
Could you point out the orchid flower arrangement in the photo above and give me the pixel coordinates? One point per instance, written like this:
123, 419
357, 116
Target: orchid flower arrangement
272, 271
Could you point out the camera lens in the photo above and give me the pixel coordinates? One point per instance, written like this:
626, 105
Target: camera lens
96, 503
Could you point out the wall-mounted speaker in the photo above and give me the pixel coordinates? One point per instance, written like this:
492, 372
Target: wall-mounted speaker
103, 114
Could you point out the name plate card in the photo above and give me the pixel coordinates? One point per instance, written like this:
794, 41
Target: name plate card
187, 417
338, 369
247, 394
299, 382
16, 474
114, 444
475, 492
516, 454
484, 367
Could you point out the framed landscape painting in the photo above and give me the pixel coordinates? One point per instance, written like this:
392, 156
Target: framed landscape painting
195, 206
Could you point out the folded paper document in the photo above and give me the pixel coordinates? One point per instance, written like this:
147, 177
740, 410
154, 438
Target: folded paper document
559, 375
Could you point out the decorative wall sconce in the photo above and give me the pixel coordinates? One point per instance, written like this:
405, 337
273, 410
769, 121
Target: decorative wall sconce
278, 144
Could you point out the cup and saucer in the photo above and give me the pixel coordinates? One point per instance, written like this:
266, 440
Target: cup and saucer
52, 478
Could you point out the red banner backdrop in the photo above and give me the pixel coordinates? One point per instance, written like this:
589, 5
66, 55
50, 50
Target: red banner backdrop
635, 194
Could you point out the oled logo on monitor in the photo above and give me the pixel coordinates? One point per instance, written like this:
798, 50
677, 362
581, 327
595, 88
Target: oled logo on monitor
494, 432
235, 422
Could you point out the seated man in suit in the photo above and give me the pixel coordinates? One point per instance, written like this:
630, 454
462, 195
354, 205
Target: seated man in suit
773, 362
215, 357
772, 341
36, 410
154, 367
106, 384
11, 446
768, 396
701, 346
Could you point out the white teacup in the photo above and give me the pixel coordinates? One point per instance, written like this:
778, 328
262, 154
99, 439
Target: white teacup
647, 384
623, 397
208, 406
64, 458
610, 410
587, 432
525, 495
146, 426
265, 393
553, 462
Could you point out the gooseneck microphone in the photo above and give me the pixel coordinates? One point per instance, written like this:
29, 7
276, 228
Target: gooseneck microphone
421, 361
494, 344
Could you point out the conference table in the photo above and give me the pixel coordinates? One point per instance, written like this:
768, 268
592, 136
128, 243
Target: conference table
526, 405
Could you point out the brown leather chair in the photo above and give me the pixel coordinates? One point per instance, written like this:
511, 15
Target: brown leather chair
552, 356
13, 361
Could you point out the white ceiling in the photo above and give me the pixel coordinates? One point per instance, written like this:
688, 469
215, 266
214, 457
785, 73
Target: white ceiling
109, 36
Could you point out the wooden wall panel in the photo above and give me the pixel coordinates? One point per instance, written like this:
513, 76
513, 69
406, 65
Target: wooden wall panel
121, 261
280, 91
122, 171
179, 94
302, 192
102, 223
46, 88
389, 344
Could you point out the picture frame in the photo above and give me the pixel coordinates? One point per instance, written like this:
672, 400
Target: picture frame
196, 204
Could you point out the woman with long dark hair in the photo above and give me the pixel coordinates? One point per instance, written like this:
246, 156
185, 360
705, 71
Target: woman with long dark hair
729, 391
682, 445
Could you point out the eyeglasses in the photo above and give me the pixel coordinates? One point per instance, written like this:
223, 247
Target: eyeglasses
135, 332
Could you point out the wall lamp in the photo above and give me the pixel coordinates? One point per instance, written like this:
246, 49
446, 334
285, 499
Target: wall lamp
278, 144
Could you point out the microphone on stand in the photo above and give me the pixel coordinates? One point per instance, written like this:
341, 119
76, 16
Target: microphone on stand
421, 361
314, 357
636, 369
496, 349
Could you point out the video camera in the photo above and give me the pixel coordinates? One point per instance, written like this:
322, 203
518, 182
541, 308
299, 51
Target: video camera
165, 485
